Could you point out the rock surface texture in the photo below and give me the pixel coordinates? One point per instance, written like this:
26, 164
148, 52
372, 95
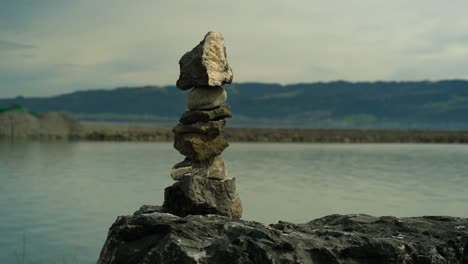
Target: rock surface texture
206, 64
202, 184
201, 195
193, 116
204, 98
150, 236
214, 168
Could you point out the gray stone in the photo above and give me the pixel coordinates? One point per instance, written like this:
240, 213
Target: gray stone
217, 168
204, 98
199, 146
151, 236
182, 169
211, 128
200, 195
206, 64
193, 116
214, 168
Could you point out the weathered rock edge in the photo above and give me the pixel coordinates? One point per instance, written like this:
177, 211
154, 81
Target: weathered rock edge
151, 236
202, 196
206, 64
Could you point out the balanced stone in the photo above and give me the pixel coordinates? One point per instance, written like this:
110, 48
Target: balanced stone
199, 146
203, 98
212, 128
202, 185
206, 64
193, 116
214, 168
200, 195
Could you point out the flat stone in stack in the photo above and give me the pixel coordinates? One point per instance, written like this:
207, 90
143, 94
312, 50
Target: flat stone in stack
205, 98
210, 128
214, 168
199, 146
202, 184
193, 116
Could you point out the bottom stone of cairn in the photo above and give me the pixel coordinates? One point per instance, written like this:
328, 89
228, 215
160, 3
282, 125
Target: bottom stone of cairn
201, 196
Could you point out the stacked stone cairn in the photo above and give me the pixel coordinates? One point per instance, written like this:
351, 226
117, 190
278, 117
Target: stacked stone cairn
202, 184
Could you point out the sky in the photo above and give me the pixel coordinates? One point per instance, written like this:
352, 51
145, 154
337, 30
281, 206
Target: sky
52, 47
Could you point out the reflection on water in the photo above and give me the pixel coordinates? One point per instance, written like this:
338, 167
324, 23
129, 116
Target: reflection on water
62, 197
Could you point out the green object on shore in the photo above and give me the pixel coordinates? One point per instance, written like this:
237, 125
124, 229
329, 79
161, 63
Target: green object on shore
18, 108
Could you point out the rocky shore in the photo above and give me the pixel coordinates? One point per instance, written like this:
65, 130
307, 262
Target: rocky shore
152, 236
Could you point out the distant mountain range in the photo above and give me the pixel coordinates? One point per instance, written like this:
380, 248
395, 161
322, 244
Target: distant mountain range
339, 104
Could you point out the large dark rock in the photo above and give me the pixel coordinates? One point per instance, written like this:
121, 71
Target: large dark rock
201, 195
150, 236
206, 64
193, 116
199, 146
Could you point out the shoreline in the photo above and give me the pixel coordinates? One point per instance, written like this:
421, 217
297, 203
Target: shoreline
152, 133
147, 133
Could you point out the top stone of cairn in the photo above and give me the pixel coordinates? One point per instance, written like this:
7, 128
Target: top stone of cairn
206, 64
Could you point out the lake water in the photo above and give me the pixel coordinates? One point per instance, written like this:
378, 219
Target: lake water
58, 199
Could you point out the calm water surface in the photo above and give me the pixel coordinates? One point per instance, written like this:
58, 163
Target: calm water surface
58, 200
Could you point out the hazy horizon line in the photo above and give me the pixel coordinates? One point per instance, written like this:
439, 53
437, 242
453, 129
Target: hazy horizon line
115, 87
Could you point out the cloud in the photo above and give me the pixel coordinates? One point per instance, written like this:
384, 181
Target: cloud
86, 44
6, 45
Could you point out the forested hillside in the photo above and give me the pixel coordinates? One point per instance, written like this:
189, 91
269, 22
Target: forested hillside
438, 105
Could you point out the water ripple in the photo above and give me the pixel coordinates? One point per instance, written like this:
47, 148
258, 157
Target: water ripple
62, 197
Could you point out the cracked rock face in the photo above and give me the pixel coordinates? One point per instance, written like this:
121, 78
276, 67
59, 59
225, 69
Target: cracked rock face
201, 195
206, 64
150, 236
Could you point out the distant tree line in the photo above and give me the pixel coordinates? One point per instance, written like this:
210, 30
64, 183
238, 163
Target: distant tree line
341, 104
